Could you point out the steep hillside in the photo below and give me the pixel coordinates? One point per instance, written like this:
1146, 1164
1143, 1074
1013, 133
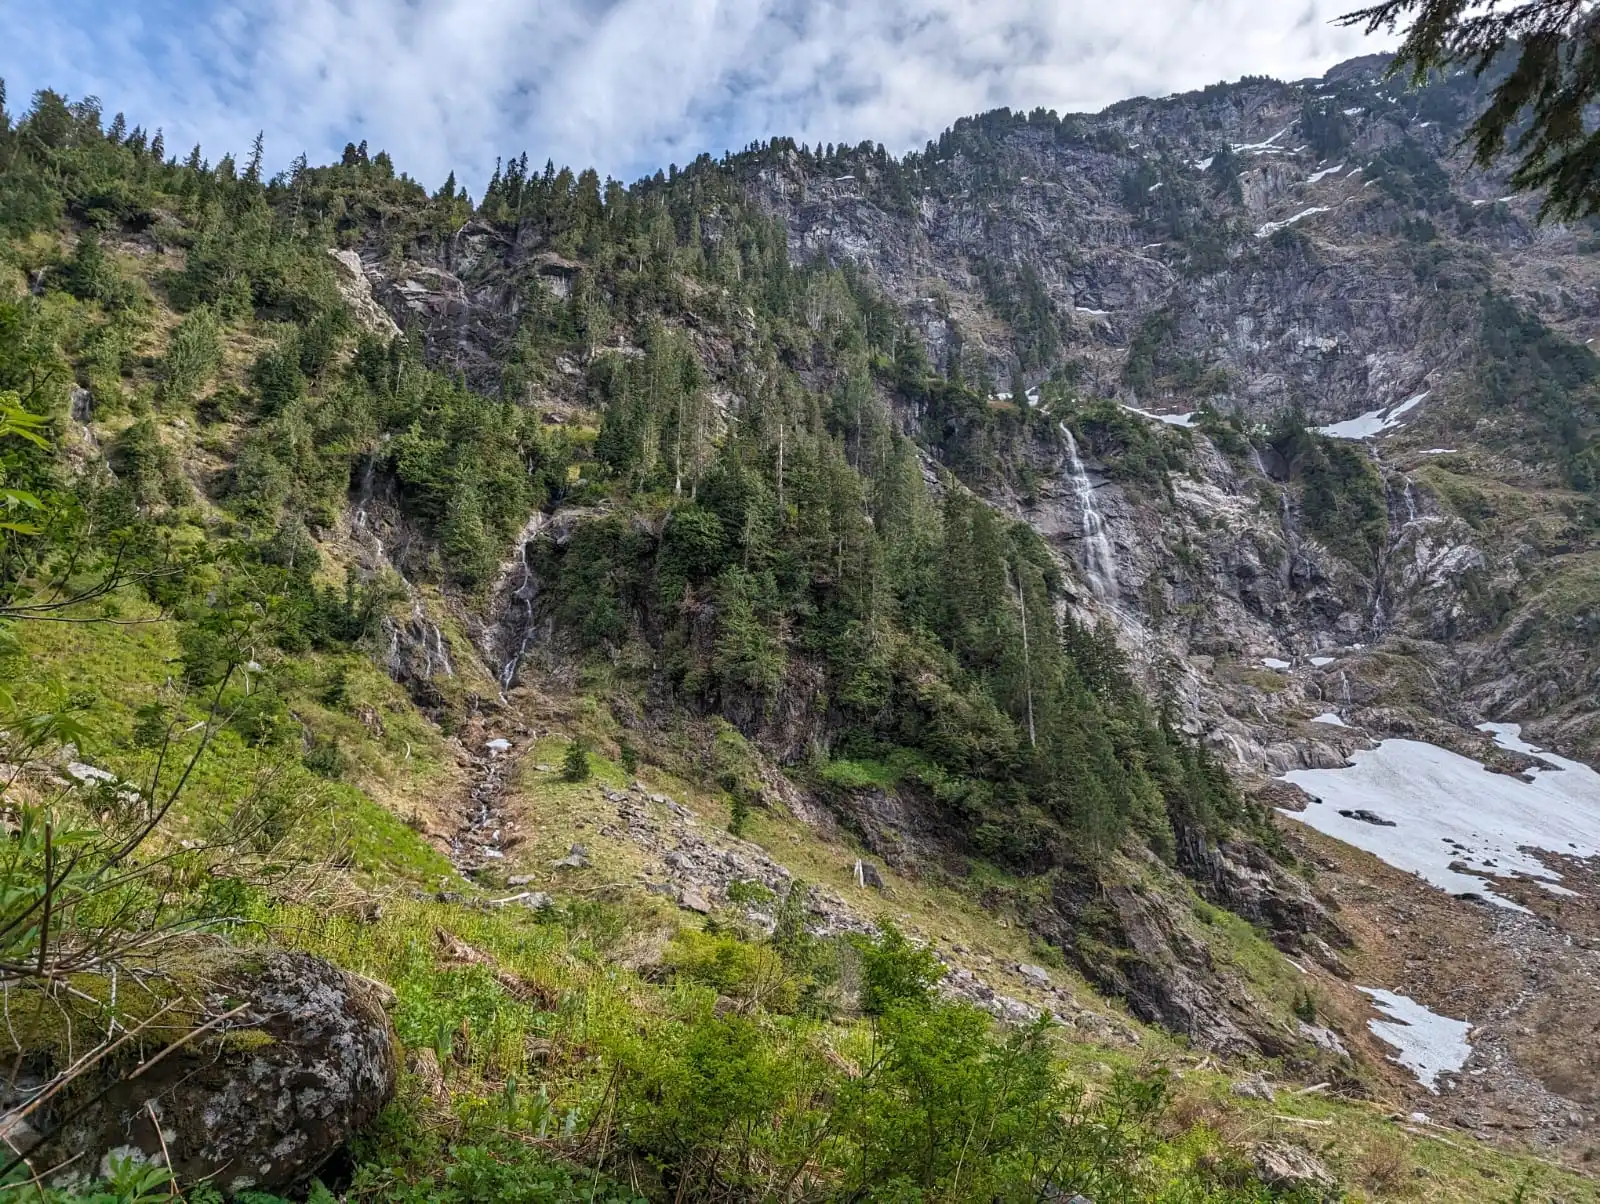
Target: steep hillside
605, 619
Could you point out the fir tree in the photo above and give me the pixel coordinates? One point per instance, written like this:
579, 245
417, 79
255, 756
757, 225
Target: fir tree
575, 764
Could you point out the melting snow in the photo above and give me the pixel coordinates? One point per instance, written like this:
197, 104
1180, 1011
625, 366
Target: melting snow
1429, 1044
1319, 661
1272, 228
1373, 422
1273, 662
1448, 810
1169, 419
1205, 163
1326, 171
1093, 313
1351, 112
1509, 736
1330, 718
1257, 148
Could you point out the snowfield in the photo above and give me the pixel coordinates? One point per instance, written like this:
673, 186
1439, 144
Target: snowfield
1373, 422
1271, 228
1449, 820
1429, 1044
1169, 419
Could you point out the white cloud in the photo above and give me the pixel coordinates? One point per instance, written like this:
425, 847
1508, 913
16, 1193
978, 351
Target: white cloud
630, 85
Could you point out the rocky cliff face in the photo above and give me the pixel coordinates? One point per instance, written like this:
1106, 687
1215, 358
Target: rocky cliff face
1255, 247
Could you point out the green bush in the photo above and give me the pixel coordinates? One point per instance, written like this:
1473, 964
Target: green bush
575, 764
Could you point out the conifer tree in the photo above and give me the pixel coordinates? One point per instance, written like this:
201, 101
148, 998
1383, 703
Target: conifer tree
252, 171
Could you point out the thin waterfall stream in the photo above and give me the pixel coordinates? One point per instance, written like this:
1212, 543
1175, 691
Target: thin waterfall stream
1099, 559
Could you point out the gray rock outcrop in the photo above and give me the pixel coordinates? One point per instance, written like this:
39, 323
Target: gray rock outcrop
292, 1057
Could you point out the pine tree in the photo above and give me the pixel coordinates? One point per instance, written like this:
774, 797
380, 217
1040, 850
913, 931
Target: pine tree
252, 171
575, 764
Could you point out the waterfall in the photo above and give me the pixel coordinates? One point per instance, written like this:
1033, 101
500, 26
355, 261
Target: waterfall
1255, 458
1411, 503
1099, 561
524, 597
435, 652
512, 632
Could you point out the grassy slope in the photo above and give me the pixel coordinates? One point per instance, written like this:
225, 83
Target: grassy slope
484, 996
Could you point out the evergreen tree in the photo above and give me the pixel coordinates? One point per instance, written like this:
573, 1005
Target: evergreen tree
575, 764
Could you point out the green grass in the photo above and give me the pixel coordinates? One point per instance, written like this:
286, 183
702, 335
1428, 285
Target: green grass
119, 669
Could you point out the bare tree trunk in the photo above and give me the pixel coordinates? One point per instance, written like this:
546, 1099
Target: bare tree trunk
1027, 661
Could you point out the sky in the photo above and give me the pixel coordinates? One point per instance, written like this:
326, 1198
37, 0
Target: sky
629, 86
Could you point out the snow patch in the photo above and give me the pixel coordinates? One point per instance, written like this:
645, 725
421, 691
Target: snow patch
1271, 228
1499, 200
1093, 313
1169, 419
1319, 661
1440, 451
1331, 719
1260, 148
1154, 186
1203, 164
1352, 112
1454, 822
1373, 422
1273, 662
1429, 1044
1324, 173
1508, 736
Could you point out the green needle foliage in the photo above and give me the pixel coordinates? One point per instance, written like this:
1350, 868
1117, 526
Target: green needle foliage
1544, 58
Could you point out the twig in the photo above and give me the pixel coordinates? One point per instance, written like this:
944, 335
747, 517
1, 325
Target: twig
186, 1038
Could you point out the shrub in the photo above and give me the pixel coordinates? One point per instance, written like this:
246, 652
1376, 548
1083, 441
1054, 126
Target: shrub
575, 765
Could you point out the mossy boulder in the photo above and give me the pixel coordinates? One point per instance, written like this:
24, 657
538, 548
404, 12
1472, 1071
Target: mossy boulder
299, 1056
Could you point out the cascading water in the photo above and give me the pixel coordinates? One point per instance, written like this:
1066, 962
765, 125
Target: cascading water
527, 588
1099, 560
435, 652
1255, 458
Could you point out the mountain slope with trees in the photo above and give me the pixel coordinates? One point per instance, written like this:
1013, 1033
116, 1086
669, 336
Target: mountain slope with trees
309, 557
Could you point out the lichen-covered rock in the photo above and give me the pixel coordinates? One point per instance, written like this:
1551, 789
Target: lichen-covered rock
1290, 1168
305, 1058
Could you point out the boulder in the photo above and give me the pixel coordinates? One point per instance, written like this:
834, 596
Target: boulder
1286, 1167
577, 858
299, 1056
1254, 1087
694, 898
866, 875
